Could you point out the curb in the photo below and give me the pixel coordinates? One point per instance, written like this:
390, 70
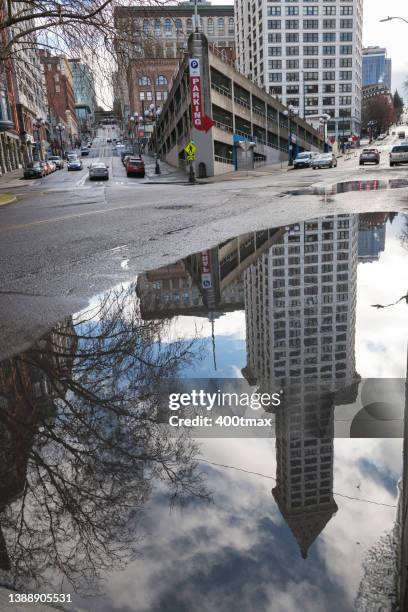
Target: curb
9, 200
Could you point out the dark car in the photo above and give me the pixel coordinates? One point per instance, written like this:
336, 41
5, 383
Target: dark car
34, 170
84, 152
74, 164
98, 171
369, 156
135, 166
125, 153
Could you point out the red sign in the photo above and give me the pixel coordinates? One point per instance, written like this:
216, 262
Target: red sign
200, 121
205, 262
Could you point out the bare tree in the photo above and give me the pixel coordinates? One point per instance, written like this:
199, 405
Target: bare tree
380, 110
83, 447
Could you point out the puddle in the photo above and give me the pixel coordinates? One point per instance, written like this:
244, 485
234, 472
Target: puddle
295, 516
347, 186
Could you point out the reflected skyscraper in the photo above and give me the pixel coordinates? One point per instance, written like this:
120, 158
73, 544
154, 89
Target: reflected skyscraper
300, 300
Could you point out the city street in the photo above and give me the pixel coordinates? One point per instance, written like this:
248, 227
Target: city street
66, 238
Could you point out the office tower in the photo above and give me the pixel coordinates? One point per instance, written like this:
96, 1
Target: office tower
300, 300
309, 53
377, 67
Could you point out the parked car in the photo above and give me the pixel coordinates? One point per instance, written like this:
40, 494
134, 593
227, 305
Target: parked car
34, 170
324, 160
369, 156
108, 140
98, 170
401, 134
119, 145
84, 152
399, 154
304, 160
74, 164
46, 167
135, 166
382, 137
125, 155
52, 165
58, 161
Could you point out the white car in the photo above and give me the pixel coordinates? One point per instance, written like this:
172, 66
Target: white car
325, 160
399, 154
304, 159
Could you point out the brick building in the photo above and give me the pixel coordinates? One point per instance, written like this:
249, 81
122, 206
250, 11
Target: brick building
60, 93
161, 43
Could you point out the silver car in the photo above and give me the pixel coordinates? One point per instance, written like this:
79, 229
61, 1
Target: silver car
98, 171
324, 160
399, 154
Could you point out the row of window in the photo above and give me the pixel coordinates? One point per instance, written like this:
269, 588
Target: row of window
311, 50
160, 96
343, 75
310, 37
276, 11
310, 24
177, 24
293, 64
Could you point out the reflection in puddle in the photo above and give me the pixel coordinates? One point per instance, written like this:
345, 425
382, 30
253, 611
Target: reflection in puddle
348, 186
85, 453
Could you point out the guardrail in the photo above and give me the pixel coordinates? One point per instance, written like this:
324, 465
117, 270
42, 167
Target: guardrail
224, 91
223, 160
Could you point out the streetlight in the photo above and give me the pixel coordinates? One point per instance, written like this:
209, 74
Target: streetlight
391, 18
371, 124
153, 114
134, 122
290, 113
38, 124
61, 127
324, 119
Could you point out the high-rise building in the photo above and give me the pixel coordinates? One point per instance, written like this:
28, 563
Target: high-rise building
84, 93
309, 53
300, 300
377, 67
160, 43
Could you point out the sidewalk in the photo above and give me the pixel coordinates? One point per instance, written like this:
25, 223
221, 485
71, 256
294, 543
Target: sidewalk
168, 174
14, 179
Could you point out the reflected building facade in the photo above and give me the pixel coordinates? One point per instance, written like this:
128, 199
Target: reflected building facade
300, 300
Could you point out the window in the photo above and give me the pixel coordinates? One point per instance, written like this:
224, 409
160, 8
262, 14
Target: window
311, 76
292, 24
292, 76
311, 24
275, 37
329, 76
292, 50
329, 63
292, 89
346, 36
291, 10
310, 37
345, 88
189, 25
346, 75
329, 24
346, 62
311, 89
274, 51
311, 50
344, 100
292, 37
329, 101
329, 36
346, 24
292, 64
144, 80
346, 49
161, 80
310, 63
329, 50
310, 10
312, 101
274, 11
329, 88
157, 27
146, 26
231, 25
221, 25
274, 25
275, 64
210, 26
346, 10
275, 77
329, 10
168, 27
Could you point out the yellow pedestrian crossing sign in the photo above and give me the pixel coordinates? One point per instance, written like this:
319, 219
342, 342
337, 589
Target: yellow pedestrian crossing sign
190, 150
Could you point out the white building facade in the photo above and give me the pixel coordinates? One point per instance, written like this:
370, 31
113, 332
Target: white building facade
307, 52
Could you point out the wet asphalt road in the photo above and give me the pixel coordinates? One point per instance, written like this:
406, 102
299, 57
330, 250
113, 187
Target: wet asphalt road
66, 239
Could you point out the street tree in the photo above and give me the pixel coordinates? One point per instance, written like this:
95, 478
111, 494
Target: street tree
398, 106
82, 445
380, 110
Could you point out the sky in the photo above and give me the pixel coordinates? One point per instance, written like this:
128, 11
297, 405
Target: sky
392, 35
